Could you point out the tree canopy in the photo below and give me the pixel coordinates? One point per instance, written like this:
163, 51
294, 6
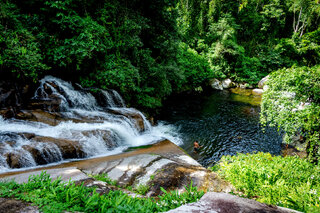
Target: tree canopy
148, 50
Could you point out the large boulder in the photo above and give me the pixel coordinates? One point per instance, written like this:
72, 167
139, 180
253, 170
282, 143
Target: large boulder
257, 91
216, 84
226, 203
227, 83
262, 82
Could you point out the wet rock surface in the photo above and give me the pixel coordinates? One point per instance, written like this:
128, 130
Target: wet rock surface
131, 114
68, 148
66, 174
49, 118
59, 121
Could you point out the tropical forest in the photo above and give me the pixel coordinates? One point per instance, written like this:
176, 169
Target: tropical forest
162, 105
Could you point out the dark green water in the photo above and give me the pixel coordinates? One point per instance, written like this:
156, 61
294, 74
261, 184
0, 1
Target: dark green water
223, 122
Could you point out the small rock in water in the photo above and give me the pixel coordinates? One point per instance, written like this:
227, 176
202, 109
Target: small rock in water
262, 82
216, 84
257, 91
227, 83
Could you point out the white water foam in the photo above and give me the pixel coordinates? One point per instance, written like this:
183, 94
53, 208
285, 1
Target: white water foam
70, 97
113, 98
99, 132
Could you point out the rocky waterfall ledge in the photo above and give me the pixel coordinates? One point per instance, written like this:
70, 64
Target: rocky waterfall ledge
61, 121
161, 165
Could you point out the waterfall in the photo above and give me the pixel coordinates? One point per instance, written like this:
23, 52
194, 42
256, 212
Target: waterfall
70, 97
113, 98
82, 128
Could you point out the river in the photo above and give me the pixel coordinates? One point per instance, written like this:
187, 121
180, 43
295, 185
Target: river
87, 126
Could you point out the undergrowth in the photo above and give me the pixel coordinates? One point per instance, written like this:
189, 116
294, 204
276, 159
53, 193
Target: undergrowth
284, 181
56, 196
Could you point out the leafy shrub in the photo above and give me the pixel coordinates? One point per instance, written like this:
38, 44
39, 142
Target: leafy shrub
171, 200
56, 196
284, 181
292, 103
248, 70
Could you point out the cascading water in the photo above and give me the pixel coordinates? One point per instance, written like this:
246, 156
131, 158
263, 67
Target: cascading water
113, 98
82, 128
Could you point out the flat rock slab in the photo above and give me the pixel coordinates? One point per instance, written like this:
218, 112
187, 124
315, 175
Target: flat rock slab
162, 165
66, 174
156, 171
226, 203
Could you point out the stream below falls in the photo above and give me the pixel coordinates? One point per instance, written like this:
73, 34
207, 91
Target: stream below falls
223, 122
65, 122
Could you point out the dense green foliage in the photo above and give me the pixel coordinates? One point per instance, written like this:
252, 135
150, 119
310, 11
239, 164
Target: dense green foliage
284, 181
247, 39
292, 103
108, 44
149, 49
56, 196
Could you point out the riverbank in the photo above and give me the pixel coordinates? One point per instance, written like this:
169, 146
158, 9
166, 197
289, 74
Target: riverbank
171, 179
290, 181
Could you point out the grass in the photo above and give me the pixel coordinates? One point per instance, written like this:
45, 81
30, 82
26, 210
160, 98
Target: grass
284, 181
56, 196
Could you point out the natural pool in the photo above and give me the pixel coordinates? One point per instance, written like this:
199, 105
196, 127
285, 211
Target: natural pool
224, 123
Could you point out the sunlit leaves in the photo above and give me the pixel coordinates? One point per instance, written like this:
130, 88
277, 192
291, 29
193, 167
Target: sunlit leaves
292, 103
284, 181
